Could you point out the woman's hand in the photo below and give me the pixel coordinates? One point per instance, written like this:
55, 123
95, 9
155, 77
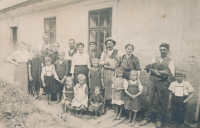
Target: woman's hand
16, 63
133, 96
185, 101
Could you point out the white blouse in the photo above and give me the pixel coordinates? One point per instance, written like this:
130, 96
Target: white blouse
48, 71
20, 56
80, 59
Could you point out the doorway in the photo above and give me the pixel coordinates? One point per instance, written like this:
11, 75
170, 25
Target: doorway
14, 38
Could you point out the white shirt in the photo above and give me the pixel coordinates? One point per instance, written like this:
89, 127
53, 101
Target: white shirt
60, 62
171, 64
124, 85
80, 59
48, 71
20, 56
181, 88
119, 54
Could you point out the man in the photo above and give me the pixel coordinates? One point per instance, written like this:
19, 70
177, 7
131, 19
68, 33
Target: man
28, 47
93, 52
47, 48
159, 81
109, 60
54, 54
72, 51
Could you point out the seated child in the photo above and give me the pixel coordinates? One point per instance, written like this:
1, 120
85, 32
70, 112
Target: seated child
180, 93
118, 94
68, 93
48, 74
133, 91
96, 101
80, 101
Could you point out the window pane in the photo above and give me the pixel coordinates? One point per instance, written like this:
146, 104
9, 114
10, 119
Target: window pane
105, 18
93, 36
93, 19
103, 35
53, 24
46, 25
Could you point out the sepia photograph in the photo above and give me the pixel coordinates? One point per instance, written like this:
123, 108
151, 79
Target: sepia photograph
99, 63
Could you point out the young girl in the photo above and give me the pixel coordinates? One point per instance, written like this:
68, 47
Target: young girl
80, 101
133, 90
47, 76
95, 76
180, 93
118, 94
68, 93
96, 101
61, 67
34, 73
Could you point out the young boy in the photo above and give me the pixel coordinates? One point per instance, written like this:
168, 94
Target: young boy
61, 67
180, 93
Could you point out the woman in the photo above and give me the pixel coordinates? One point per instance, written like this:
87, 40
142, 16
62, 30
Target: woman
80, 63
20, 58
129, 62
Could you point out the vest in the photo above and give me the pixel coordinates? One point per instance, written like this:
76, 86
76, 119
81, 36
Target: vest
160, 65
74, 52
111, 59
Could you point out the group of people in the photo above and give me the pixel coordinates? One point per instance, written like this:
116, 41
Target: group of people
97, 80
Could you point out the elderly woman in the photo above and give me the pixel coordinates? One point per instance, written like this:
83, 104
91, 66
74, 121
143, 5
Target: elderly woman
129, 62
20, 58
80, 63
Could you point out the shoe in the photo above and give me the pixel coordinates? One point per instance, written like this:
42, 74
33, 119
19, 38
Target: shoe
144, 122
158, 124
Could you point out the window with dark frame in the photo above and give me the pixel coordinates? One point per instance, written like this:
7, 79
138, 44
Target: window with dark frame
50, 28
100, 26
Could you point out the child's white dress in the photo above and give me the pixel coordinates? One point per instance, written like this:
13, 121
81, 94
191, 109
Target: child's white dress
80, 96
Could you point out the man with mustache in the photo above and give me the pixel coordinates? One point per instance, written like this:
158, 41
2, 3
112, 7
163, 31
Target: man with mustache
159, 81
110, 61
72, 51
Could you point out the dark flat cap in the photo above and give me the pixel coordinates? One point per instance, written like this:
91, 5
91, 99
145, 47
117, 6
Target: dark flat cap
164, 45
110, 39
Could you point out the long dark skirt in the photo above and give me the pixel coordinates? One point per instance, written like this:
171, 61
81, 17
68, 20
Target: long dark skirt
21, 75
49, 81
178, 109
80, 69
126, 75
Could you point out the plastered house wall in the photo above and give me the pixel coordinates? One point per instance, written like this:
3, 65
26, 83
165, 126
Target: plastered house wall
143, 23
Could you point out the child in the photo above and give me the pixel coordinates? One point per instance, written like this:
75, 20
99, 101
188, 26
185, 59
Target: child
61, 67
180, 93
34, 73
68, 93
133, 90
47, 76
96, 101
118, 94
80, 101
95, 76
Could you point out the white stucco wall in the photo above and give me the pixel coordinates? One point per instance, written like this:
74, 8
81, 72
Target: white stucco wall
144, 23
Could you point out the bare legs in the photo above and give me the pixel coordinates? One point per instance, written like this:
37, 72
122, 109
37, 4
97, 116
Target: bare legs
48, 97
118, 115
58, 98
129, 119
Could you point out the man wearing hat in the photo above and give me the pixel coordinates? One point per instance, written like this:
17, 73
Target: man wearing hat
109, 60
159, 81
